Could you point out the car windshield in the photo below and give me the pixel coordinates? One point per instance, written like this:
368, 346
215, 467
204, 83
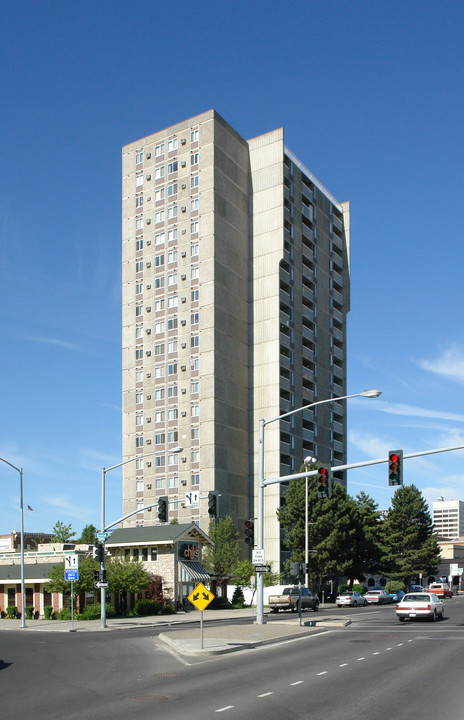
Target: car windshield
374, 592
416, 598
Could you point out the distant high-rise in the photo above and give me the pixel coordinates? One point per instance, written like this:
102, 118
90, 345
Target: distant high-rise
448, 518
235, 293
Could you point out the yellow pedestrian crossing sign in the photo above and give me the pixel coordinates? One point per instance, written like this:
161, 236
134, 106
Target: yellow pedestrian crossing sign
201, 597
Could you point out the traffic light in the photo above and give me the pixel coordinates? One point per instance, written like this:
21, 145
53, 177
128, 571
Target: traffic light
163, 509
249, 532
323, 482
395, 468
212, 505
99, 552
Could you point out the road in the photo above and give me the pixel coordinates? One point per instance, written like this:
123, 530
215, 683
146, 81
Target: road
375, 665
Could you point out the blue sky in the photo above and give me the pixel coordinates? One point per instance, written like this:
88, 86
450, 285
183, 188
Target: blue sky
371, 98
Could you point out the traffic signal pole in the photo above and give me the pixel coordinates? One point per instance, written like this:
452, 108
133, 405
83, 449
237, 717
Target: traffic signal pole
262, 483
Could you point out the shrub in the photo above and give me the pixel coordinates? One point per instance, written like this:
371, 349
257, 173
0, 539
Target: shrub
359, 589
168, 609
29, 611
48, 612
219, 603
63, 614
93, 612
394, 586
11, 612
147, 607
342, 588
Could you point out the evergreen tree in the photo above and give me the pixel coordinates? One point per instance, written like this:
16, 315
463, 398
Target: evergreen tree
371, 549
336, 534
223, 557
409, 544
88, 535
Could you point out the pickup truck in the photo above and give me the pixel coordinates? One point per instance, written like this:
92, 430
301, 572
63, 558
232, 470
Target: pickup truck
442, 590
289, 600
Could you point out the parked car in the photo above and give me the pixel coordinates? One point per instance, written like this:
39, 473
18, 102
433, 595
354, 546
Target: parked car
380, 597
396, 596
416, 588
441, 589
353, 599
289, 600
420, 605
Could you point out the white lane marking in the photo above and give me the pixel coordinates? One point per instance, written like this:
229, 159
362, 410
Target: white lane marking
226, 707
324, 672
361, 659
343, 665
265, 694
376, 653
298, 682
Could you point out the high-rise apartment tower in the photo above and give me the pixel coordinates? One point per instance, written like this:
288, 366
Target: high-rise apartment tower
235, 294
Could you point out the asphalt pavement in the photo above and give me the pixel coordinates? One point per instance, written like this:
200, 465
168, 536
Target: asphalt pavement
182, 631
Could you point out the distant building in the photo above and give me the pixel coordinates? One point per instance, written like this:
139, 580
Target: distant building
11, 542
235, 291
448, 518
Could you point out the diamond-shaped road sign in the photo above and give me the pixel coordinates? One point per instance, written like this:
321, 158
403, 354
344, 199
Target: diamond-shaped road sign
201, 597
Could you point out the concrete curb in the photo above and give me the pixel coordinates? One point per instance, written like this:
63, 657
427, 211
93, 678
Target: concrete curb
233, 638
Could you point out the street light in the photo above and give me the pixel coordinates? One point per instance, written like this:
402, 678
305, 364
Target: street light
23, 598
261, 483
103, 526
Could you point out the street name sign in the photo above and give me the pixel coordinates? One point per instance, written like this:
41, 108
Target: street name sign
101, 536
201, 597
262, 568
101, 584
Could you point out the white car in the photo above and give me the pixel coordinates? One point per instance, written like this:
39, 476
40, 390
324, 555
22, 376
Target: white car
420, 605
353, 599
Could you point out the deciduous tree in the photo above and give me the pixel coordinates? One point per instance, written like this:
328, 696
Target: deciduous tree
223, 557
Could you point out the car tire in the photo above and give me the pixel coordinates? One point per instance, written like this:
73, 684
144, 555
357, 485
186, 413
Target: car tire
434, 616
365, 603
401, 619
338, 605
316, 607
355, 604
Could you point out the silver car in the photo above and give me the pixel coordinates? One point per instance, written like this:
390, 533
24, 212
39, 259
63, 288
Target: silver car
353, 599
378, 596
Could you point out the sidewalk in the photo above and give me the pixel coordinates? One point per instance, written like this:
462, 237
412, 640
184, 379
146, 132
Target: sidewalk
226, 638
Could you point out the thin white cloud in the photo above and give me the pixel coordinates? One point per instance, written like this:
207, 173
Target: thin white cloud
54, 341
371, 446
449, 364
413, 411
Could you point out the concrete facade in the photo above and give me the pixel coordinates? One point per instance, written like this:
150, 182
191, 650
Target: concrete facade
448, 518
235, 294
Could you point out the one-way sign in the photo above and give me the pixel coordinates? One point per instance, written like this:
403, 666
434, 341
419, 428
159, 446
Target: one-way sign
262, 568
